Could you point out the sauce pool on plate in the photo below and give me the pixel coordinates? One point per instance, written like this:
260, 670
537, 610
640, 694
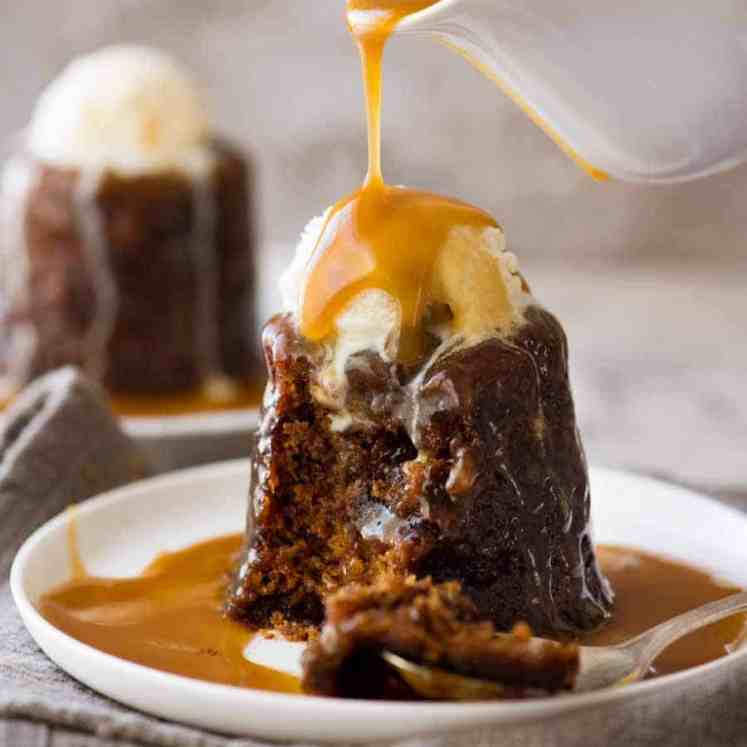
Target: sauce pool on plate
170, 617
225, 396
228, 396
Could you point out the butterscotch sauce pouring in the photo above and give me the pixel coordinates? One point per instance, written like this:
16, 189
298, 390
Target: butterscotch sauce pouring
170, 617
384, 237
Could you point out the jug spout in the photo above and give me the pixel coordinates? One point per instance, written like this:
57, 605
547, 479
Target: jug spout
644, 92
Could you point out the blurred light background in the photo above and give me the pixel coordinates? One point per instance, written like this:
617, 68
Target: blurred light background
649, 281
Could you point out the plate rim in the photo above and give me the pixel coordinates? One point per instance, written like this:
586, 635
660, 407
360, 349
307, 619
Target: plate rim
194, 425
415, 718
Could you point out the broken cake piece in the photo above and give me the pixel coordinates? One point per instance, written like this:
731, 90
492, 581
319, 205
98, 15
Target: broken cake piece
435, 626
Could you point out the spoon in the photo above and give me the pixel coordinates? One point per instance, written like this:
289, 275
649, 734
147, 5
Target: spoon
600, 666
641, 91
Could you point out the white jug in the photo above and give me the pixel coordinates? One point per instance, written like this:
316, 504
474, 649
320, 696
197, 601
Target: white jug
642, 90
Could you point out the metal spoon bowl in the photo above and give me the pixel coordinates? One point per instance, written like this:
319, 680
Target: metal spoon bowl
600, 666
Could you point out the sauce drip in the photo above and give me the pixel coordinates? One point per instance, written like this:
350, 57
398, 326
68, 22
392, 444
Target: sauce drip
384, 237
77, 567
170, 616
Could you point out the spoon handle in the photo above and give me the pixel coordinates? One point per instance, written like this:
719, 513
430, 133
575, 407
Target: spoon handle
649, 645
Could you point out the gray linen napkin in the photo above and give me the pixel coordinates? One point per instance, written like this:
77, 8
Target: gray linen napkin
62, 443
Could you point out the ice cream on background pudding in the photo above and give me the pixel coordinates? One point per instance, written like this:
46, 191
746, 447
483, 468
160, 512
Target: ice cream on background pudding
133, 252
131, 109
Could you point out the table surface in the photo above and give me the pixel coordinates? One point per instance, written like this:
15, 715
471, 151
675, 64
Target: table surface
658, 355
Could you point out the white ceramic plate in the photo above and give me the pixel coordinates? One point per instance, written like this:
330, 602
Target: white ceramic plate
122, 531
178, 441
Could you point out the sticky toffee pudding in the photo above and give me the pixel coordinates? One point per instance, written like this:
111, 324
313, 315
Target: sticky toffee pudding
431, 624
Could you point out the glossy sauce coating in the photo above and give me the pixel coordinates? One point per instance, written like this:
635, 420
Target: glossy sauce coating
170, 616
383, 237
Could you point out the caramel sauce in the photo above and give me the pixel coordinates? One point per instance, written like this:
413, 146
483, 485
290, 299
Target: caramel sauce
170, 616
384, 237
390, 12
77, 567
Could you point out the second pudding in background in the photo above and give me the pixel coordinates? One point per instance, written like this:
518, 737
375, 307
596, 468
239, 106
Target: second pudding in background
129, 232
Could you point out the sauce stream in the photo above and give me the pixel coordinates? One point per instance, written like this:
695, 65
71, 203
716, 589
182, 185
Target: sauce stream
384, 237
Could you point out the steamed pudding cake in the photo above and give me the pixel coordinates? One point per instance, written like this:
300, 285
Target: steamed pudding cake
461, 463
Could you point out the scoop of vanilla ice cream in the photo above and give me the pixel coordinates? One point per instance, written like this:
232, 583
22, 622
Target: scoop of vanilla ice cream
128, 108
480, 281
292, 280
474, 274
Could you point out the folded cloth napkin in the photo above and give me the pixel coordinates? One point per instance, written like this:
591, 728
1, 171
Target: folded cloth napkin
62, 444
